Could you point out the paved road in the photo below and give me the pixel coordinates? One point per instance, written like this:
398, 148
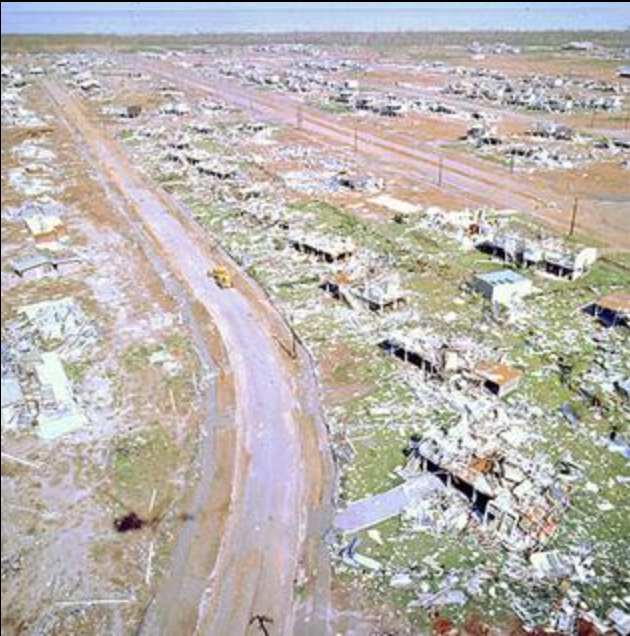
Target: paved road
258, 560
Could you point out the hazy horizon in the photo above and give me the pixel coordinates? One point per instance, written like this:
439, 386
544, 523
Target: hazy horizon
142, 18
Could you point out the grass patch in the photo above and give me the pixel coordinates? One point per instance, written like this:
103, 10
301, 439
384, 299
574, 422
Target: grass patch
143, 463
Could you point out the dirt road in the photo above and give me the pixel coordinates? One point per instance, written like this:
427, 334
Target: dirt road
260, 554
474, 181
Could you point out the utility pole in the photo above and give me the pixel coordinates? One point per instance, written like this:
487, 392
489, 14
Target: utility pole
512, 163
576, 207
441, 172
356, 138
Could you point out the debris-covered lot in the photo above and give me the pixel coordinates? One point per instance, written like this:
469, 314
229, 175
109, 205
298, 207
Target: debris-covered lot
473, 360
100, 412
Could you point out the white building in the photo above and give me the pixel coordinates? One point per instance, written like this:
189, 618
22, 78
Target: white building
504, 287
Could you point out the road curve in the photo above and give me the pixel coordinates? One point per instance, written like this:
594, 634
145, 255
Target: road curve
259, 559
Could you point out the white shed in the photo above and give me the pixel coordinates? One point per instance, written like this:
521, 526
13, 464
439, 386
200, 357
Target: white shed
504, 287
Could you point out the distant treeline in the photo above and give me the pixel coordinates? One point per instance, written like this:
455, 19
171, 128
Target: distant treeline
614, 39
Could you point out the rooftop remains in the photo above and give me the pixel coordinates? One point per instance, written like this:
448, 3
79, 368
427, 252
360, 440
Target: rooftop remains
45, 227
329, 249
612, 310
498, 377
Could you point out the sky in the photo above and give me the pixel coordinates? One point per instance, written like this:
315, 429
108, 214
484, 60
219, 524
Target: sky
506, 15
609, 10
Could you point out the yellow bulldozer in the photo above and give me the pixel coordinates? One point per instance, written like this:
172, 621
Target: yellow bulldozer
222, 277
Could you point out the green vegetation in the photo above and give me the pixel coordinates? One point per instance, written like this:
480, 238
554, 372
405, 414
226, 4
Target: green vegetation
385, 41
141, 464
77, 371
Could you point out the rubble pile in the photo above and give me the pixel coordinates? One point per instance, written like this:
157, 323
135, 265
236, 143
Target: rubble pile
519, 501
37, 391
540, 93
548, 146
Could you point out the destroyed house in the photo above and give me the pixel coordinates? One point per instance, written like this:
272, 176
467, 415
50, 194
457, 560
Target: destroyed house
383, 294
553, 131
392, 108
338, 284
89, 85
623, 389
201, 128
56, 321
180, 142
262, 213
569, 265
500, 379
442, 359
196, 156
518, 502
212, 106
7, 358
483, 135
358, 182
217, 170
123, 112
37, 391
510, 249
433, 356
45, 227
547, 256
175, 109
327, 249
254, 127
254, 192
620, 621
58, 414
130, 112
612, 310
365, 102
379, 295
344, 96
